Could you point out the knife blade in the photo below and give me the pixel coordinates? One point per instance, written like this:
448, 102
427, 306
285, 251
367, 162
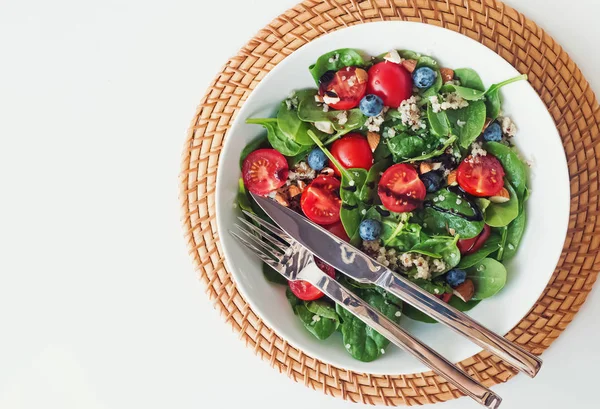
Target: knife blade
359, 266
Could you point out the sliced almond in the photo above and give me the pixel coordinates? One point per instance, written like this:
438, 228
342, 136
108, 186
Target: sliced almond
294, 191
327, 171
393, 56
281, 199
301, 185
425, 167
325, 126
331, 98
501, 197
410, 65
447, 74
373, 139
361, 75
465, 291
451, 180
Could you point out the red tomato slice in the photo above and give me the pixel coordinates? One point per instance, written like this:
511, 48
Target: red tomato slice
470, 246
339, 231
352, 151
391, 82
305, 290
400, 188
321, 201
348, 84
481, 176
264, 170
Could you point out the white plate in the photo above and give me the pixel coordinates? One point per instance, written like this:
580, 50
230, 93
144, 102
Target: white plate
537, 139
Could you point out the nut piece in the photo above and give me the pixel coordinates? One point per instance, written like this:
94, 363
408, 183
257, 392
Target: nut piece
327, 171
301, 184
361, 75
294, 191
325, 126
373, 139
501, 197
452, 178
447, 74
318, 98
281, 200
425, 167
331, 98
393, 56
465, 291
410, 65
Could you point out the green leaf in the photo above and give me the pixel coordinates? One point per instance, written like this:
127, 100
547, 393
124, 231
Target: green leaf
488, 276
277, 139
242, 197
360, 340
501, 214
472, 119
515, 170
291, 126
514, 235
335, 60
392, 226
370, 186
469, 78
310, 111
491, 245
469, 94
416, 315
318, 317
255, 144
436, 152
438, 121
272, 275
427, 61
440, 247
450, 211
493, 98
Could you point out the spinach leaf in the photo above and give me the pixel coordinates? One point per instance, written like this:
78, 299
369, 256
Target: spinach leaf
410, 55
438, 222
382, 152
514, 168
278, 140
501, 214
362, 341
438, 122
435, 152
427, 61
370, 186
310, 111
294, 160
416, 315
491, 245
432, 287
273, 276
318, 317
291, 126
488, 276
404, 146
392, 226
493, 98
253, 145
469, 94
334, 60
440, 247
514, 235
472, 119
242, 197
469, 78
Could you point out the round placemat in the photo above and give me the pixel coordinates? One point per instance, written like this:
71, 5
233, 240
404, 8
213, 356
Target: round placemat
517, 39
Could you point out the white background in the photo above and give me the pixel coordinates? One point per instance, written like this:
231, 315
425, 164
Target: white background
99, 305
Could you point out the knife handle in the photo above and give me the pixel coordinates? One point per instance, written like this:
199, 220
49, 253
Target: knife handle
461, 323
398, 336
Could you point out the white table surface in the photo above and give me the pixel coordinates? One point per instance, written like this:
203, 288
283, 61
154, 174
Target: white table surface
99, 305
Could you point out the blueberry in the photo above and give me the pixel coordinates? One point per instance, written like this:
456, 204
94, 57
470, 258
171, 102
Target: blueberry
493, 132
432, 181
369, 229
456, 277
371, 105
317, 159
424, 77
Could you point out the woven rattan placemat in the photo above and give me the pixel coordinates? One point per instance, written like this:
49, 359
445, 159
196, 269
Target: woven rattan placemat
521, 42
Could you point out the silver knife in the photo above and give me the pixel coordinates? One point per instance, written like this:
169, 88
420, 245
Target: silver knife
362, 268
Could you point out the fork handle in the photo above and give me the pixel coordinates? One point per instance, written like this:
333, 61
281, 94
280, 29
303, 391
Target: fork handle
462, 323
398, 336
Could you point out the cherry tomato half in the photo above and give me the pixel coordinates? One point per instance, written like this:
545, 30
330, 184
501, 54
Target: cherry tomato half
349, 84
264, 170
321, 201
400, 188
352, 151
339, 231
391, 82
481, 176
470, 246
305, 290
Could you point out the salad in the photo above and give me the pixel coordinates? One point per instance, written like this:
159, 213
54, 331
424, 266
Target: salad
406, 159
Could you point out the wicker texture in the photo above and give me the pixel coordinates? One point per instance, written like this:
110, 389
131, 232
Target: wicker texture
520, 41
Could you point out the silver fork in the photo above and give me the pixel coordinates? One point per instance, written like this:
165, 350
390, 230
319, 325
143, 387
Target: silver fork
292, 261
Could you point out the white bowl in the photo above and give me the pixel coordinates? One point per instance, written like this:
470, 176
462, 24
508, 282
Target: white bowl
537, 139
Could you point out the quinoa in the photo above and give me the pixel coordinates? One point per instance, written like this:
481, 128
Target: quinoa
374, 122
449, 101
508, 127
410, 114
